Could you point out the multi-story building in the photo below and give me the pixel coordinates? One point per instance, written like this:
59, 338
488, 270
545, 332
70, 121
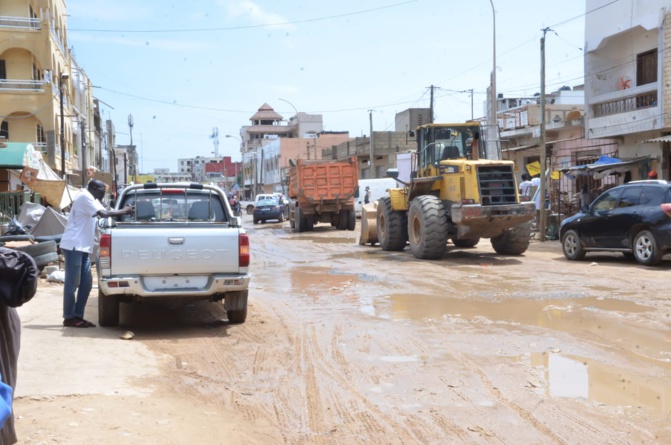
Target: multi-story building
627, 75
268, 144
45, 97
220, 169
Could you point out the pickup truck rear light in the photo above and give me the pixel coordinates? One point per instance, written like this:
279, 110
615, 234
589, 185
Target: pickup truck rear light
666, 208
243, 254
105, 252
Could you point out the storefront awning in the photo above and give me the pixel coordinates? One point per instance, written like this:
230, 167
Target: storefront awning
19, 155
605, 166
659, 139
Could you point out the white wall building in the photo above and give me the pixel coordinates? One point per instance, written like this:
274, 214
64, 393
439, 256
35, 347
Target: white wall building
627, 71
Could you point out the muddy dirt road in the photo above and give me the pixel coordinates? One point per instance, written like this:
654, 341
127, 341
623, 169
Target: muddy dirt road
347, 344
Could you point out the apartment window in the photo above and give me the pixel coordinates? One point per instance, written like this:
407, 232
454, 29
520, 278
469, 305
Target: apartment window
4, 130
646, 67
41, 138
3, 70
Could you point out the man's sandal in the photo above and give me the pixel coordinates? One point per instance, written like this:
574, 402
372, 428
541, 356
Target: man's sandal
77, 322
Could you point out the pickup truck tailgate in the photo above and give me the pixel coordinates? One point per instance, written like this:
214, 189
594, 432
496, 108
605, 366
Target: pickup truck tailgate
189, 250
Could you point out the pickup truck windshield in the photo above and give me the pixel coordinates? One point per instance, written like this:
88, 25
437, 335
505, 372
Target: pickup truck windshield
174, 205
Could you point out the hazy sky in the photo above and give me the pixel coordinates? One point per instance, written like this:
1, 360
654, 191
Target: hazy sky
184, 67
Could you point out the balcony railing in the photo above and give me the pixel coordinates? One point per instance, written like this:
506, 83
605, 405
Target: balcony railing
19, 22
626, 104
21, 85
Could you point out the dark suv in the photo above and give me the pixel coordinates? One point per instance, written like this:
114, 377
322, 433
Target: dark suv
634, 218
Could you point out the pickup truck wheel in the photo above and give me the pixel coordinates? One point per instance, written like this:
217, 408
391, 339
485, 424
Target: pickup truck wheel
468, 242
392, 227
236, 306
351, 220
514, 241
108, 310
427, 227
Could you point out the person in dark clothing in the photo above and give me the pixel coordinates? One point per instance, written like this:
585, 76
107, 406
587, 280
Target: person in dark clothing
18, 284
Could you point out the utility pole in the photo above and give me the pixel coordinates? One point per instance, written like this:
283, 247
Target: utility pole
62, 79
130, 126
543, 221
82, 124
471, 91
372, 146
431, 105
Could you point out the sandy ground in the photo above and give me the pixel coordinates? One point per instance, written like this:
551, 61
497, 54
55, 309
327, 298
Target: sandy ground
347, 344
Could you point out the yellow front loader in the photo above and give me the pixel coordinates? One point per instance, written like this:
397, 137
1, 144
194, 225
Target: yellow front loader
454, 194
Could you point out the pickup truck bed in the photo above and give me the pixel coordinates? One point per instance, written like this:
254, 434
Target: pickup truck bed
182, 243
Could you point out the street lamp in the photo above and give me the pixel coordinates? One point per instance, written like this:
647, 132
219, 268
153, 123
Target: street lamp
292, 106
493, 153
63, 79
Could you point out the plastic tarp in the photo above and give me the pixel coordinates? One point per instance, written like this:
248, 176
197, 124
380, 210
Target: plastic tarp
38, 220
605, 166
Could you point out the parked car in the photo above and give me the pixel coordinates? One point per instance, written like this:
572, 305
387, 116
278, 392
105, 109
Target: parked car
271, 207
634, 218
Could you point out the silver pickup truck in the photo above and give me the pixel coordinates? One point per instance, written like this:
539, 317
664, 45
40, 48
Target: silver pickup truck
181, 243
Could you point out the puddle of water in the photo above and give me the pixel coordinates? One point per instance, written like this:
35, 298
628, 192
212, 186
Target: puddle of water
586, 317
325, 240
584, 378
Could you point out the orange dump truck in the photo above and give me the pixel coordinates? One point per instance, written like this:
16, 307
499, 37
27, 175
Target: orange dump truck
322, 191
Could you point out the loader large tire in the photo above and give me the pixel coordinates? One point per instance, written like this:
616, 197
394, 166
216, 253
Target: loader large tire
392, 227
467, 242
514, 241
427, 227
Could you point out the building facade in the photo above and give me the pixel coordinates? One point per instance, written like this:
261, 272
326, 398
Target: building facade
627, 75
45, 97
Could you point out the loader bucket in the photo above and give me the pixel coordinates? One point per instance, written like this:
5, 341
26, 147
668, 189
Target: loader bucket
368, 224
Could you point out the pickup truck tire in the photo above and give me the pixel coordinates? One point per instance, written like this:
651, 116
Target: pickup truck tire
514, 241
392, 227
427, 227
468, 242
235, 304
108, 310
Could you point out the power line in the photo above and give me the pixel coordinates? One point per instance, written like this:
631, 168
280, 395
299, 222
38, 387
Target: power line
233, 28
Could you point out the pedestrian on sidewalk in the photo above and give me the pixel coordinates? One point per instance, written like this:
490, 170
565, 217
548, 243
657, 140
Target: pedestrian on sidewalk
18, 284
77, 245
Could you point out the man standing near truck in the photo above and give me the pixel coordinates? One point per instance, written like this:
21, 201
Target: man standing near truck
366, 197
77, 244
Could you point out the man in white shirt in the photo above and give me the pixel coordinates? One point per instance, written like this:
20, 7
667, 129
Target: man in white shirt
525, 185
77, 244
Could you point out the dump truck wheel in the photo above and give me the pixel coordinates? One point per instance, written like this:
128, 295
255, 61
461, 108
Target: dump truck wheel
299, 220
392, 227
108, 309
467, 242
514, 241
342, 220
351, 220
427, 227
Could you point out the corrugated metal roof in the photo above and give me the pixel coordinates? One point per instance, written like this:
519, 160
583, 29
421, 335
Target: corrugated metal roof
659, 139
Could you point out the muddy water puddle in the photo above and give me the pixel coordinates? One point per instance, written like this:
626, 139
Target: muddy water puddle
577, 377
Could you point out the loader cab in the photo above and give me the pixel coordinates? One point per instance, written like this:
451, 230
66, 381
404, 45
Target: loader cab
443, 142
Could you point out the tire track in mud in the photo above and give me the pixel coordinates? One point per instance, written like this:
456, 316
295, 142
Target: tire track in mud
521, 412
